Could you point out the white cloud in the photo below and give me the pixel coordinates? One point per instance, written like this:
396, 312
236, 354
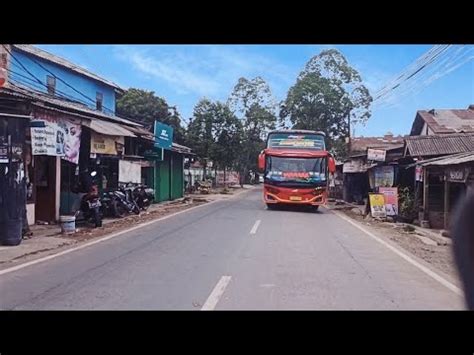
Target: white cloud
173, 70
205, 70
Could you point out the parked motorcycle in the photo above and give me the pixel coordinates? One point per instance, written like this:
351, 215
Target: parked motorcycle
90, 209
122, 202
109, 202
143, 196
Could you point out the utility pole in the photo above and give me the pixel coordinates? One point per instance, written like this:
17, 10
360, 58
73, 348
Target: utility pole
349, 133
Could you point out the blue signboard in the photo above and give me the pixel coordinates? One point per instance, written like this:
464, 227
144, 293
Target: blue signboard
163, 135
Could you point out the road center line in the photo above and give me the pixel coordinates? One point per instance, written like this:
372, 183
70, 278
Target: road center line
216, 294
415, 263
255, 227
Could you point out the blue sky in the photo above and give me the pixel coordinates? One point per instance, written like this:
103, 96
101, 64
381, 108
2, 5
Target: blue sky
184, 74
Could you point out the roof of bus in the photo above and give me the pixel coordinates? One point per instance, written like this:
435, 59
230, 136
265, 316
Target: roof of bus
296, 131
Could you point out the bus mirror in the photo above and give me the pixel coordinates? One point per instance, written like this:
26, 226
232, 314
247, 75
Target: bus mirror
331, 165
261, 162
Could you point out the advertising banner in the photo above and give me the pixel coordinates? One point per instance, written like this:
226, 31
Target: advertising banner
377, 205
56, 137
102, 144
376, 154
384, 176
391, 200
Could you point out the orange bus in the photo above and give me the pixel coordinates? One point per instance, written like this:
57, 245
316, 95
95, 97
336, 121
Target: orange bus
296, 167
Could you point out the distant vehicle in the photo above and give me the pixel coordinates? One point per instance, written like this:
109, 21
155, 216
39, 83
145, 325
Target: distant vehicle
296, 168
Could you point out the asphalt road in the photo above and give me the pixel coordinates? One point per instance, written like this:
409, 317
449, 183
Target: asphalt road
231, 254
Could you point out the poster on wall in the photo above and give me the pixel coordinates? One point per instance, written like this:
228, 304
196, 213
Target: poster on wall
129, 172
102, 144
419, 173
384, 176
391, 200
56, 137
377, 205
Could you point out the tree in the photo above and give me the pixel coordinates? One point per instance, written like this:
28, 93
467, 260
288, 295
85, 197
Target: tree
199, 135
328, 96
145, 107
253, 103
215, 134
227, 137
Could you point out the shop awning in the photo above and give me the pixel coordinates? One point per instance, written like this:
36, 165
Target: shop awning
8, 115
109, 128
453, 159
142, 133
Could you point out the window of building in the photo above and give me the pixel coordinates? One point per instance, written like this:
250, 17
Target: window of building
51, 84
99, 100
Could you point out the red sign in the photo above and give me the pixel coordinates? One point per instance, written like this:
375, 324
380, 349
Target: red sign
295, 174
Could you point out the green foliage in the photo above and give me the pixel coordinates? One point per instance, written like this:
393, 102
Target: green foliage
145, 107
215, 134
254, 105
325, 94
406, 203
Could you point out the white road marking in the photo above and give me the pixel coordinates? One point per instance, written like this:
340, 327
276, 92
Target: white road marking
415, 263
255, 227
216, 294
110, 236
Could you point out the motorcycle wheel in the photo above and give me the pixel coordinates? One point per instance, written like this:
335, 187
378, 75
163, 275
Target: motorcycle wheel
144, 205
118, 210
136, 209
96, 218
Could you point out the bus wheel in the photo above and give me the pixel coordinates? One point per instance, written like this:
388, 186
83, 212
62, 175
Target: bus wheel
315, 208
271, 206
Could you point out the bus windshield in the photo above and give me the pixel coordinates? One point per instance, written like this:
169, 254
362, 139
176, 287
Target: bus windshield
301, 170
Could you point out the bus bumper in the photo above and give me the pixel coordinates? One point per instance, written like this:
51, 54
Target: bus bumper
295, 196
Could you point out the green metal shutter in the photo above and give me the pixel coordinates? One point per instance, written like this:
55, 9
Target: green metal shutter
164, 178
177, 176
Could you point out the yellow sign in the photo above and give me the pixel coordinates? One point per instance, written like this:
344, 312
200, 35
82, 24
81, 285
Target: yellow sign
377, 205
101, 144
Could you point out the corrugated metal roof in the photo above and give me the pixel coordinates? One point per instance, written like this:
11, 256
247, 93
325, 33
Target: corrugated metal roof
361, 144
27, 48
454, 159
109, 128
439, 144
28, 93
181, 149
444, 121
143, 133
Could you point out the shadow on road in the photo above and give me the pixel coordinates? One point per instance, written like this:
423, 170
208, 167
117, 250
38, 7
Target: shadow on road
294, 208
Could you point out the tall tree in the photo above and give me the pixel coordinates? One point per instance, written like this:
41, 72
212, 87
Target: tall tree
227, 137
145, 107
215, 134
328, 96
200, 132
253, 103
